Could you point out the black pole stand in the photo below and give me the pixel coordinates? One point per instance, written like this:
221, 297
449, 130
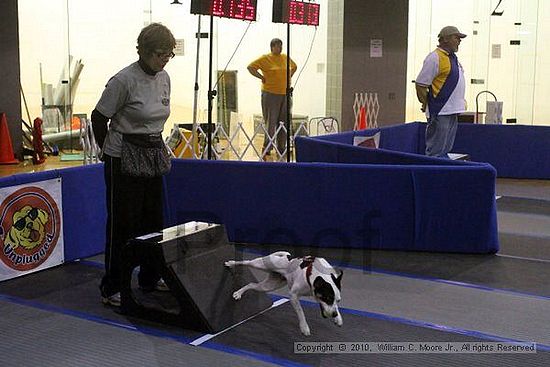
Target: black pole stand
196, 88
211, 93
288, 93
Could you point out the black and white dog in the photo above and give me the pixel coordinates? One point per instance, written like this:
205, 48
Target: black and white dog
307, 276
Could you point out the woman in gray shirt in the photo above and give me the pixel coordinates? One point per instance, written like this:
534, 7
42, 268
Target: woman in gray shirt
136, 101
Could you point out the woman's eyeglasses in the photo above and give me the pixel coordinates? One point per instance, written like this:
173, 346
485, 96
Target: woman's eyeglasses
165, 55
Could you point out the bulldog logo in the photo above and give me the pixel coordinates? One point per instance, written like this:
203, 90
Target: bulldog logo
28, 228
30, 224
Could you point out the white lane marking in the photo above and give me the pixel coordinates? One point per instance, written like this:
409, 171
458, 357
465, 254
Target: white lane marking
207, 337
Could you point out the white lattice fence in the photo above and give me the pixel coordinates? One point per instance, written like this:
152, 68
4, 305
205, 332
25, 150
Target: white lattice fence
239, 144
366, 104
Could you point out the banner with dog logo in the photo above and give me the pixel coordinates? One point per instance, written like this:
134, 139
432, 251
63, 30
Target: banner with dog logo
31, 228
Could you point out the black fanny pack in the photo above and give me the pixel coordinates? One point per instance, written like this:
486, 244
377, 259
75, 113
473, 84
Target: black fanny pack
144, 155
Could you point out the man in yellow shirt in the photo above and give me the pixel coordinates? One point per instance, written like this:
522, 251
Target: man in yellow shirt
273, 76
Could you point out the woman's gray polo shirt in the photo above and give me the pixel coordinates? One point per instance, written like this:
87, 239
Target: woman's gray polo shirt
136, 103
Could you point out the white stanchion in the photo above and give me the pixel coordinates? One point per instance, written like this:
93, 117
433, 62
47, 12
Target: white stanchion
89, 146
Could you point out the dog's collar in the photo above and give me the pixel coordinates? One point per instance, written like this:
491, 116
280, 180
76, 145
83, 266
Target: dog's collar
307, 262
308, 274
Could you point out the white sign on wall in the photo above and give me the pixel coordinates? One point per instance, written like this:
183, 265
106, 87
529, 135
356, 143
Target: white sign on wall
179, 50
376, 48
496, 51
31, 228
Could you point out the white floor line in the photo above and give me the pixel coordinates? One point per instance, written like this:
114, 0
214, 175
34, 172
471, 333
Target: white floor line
525, 258
498, 197
207, 337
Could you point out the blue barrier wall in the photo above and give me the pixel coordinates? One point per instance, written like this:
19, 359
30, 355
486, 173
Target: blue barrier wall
84, 207
407, 207
317, 150
516, 151
426, 208
400, 138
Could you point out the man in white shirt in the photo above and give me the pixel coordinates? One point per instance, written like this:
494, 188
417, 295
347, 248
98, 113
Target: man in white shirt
440, 87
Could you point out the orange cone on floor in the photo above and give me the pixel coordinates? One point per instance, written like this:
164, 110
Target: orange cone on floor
6, 149
362, 119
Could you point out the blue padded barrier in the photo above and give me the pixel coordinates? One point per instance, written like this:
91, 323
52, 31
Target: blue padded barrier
84, 207
408, 138
400, 138
315, 150
454, 203
319, 204
339, 205
84, 210
516, 151
438, 197
306, 204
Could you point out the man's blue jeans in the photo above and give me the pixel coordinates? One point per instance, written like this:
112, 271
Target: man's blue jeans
440, 135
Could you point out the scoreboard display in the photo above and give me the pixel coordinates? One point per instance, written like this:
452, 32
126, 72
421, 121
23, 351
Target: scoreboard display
234, 9
296, 12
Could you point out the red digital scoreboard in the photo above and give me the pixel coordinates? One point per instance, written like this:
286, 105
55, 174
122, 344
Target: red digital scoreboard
296, 12
234, 9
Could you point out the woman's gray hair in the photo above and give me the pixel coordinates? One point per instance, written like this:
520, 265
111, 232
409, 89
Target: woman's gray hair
153, 37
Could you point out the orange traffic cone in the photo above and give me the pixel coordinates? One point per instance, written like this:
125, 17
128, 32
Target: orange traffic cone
6, 149
362, 119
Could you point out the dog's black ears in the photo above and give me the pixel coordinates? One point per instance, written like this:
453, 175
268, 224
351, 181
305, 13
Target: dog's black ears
338, 280
318, 283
